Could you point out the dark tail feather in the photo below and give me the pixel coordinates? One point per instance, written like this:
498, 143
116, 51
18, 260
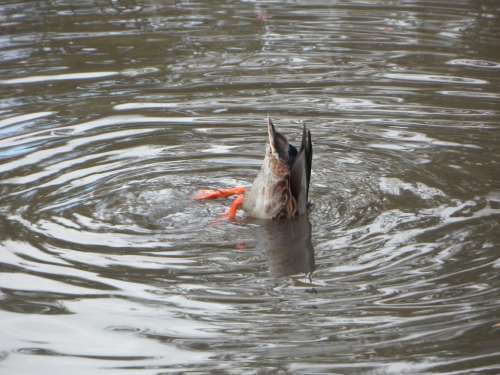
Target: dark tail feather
306, 147
300, 175
309, 155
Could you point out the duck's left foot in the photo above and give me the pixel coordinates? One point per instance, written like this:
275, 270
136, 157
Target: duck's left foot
237, 203
219, 193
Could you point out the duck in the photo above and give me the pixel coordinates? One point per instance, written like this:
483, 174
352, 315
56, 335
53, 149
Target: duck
280, 190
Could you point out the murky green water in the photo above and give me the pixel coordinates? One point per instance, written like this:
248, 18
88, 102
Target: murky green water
112, 113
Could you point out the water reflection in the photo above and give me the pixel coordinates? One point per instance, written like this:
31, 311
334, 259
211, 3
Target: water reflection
289, 246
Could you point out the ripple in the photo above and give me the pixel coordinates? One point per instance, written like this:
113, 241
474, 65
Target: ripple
58, 77
77, 76
70, 146
20, 281
470, 94
14, 120
434, 78
475, 63
395, 186
135, 106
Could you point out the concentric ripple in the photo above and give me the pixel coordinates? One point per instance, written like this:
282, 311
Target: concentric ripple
112, 115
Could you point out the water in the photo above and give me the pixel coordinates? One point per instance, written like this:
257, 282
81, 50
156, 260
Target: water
112, 114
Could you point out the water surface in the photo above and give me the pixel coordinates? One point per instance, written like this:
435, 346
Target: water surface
112, 114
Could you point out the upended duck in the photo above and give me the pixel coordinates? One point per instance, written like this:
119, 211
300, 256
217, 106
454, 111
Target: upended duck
281, 188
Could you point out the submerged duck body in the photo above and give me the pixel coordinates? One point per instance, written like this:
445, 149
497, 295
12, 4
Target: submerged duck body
281, 188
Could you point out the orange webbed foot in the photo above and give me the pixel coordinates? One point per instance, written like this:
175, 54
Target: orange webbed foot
237, 203
218, 193
239, 191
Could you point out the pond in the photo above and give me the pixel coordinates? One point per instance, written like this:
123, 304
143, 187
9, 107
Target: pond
114, 113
